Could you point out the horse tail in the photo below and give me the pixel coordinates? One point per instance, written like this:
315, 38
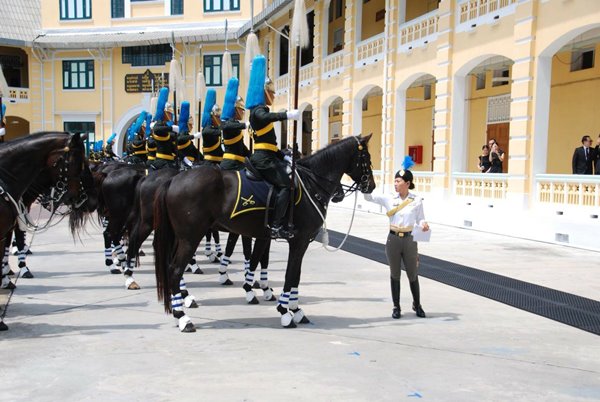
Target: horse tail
164, 246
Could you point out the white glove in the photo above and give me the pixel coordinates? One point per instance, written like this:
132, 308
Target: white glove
152, 125
288, 159
2, 132
175, 129
247, 125
293, 114
197, 136
187, 161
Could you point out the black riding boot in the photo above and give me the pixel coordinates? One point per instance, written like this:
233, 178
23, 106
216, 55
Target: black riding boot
416, 293
395, 285
281, 204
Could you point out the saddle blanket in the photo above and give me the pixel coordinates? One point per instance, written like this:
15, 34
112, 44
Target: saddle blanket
253, 195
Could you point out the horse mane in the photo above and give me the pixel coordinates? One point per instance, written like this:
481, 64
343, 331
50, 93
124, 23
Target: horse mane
330, 155
17, 144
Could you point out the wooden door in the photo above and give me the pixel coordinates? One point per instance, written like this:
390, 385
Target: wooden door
500, 131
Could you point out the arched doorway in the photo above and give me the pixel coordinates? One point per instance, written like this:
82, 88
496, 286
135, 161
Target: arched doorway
481, 110
415, 107
567, 99
306, 130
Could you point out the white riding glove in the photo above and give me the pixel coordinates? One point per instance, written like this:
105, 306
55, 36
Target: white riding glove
293, 114
175, 129
197, 136
152, 125
2, 132
288, 159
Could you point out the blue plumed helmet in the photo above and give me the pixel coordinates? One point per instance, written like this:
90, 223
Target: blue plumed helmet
148, 123
163, 97
111, 138
230, 98
137, 125
256, 86
210, 101
184, 117
404, 173
98, 146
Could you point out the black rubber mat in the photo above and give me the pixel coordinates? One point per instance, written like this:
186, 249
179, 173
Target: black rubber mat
566, 308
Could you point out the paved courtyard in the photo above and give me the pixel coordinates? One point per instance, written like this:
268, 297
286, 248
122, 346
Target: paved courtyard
77, 334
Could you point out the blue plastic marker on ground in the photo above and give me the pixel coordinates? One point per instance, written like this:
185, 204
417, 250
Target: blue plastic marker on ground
415, 395
354, 354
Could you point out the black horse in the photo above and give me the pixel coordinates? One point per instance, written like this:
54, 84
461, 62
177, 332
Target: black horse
61, 155
40, 190
194, 201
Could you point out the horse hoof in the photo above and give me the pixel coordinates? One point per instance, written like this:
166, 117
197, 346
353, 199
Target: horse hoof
287, 320
253, 301
141, 253
193, 304
300, 318
10, 286
272, 298
115, 271
27, 274
227, 283
3, 326
256, 285
199, 271
189, 327
133, 286
28, 252
188, 269
11, 273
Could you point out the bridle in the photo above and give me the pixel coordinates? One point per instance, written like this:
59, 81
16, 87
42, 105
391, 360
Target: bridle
60, 188
363, 162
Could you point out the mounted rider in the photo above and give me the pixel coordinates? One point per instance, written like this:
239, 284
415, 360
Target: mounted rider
164, 133
232, 128
267, 157
108, 154
211, 129
137, 153
186, 150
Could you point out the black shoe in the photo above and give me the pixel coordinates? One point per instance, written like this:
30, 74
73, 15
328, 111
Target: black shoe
419, 310
396, 313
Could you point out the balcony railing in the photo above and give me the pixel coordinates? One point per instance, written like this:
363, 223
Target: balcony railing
370, 51
18, 95
423, 181
282, 85
306, 75
492, 186
419, 32
568, 190
333, 65
478, 12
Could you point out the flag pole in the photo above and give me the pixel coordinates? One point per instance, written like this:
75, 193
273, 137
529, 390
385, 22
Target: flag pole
299, 39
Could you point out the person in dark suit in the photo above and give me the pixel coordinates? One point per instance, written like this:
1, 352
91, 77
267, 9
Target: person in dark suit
584, 156
597, 167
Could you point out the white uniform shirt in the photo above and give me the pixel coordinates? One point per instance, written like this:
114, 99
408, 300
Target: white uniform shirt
408, 217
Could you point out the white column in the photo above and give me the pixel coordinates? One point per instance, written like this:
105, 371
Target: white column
542, 114
460, 118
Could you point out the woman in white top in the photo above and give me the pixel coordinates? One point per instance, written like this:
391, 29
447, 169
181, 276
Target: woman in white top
405, 211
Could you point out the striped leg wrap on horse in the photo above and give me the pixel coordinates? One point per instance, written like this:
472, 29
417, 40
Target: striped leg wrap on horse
207, 248
264, 278
225, 261
177, 302
177, 305
248, 281
5, 266
120, 253
293, 305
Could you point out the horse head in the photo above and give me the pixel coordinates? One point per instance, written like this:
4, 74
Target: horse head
359, 168
67, 164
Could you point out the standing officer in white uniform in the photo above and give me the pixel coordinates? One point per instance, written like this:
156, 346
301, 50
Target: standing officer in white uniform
405, 211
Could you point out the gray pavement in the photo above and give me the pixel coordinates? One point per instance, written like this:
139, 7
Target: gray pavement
77, 334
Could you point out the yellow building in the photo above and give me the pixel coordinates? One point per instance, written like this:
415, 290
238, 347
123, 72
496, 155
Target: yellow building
436, 79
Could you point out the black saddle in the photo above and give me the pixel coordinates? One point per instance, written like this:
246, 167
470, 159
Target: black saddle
251, 172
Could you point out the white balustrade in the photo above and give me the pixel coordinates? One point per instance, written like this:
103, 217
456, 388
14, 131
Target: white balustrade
492, 186
282, 84
472, 13
423, 181
306, 75
568, 190
370, 51
419, 31
333, 65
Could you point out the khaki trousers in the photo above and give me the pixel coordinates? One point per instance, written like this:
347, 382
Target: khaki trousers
402, 250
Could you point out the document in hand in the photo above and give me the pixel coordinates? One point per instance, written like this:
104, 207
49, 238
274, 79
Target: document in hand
419, 235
